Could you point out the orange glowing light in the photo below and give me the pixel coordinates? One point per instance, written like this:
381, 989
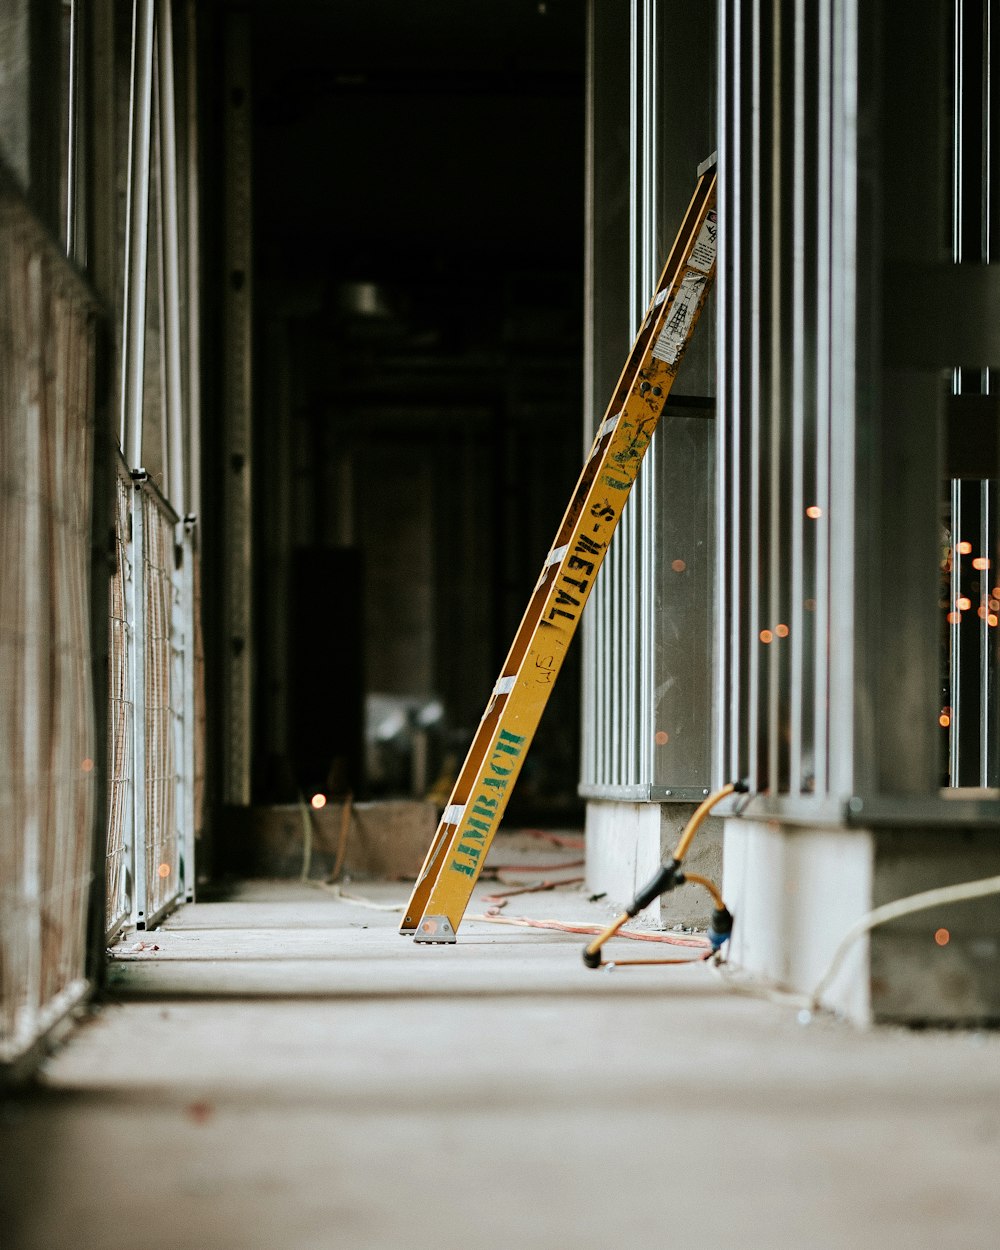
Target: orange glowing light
814, 512
954, 618
942, 937
781, 631
318, 801
964, 548
944, 720
766, 636
994, 605
992, 619
163, 871
678, 566
87, 766
963, 604
980, 562
661, 738
810, 605
981, 613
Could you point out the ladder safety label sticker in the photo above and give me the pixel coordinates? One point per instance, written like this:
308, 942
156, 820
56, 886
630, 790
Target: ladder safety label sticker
486, 805
555, 555
505, 685
453, 814
703, 253
673, 336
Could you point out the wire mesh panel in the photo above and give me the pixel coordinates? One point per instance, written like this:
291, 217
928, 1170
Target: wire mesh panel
47, 725
158, 604
121, 715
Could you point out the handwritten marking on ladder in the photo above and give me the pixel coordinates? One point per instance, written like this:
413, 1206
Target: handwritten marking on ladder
478, 828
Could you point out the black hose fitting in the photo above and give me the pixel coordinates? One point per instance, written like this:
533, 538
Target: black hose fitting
664, 880
742, 787
720, 928
592, 959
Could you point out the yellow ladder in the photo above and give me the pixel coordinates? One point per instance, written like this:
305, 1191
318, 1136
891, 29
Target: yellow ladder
475, 809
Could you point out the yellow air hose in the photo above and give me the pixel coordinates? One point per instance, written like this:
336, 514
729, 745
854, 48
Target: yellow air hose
669, 876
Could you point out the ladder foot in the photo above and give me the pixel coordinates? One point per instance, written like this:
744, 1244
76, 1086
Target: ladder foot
435, 931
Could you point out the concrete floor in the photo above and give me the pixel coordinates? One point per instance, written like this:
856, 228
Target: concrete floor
285, 1072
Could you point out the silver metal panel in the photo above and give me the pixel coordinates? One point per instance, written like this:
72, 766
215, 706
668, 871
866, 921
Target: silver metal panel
678, 726
969, 706
781, 350
843, 259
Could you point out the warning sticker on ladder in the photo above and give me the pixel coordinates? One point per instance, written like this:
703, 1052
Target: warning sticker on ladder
703, 253
680, 315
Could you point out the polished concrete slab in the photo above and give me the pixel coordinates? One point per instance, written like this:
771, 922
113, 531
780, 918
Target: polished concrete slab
284, 1070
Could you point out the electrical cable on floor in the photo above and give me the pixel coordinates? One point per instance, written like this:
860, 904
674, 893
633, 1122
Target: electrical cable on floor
501, 896
570, 863
356, 900
902, 907
878, 916
557, 839
560, 926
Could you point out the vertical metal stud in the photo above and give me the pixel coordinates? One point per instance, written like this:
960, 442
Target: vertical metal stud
237, 466
140, 880
137, 233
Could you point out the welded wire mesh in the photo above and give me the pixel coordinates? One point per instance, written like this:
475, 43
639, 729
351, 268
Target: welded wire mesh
163, 699
121, 713
47, 734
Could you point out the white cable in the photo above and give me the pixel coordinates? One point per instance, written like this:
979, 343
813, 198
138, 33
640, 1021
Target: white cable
903, 907
356, 899
880, 915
